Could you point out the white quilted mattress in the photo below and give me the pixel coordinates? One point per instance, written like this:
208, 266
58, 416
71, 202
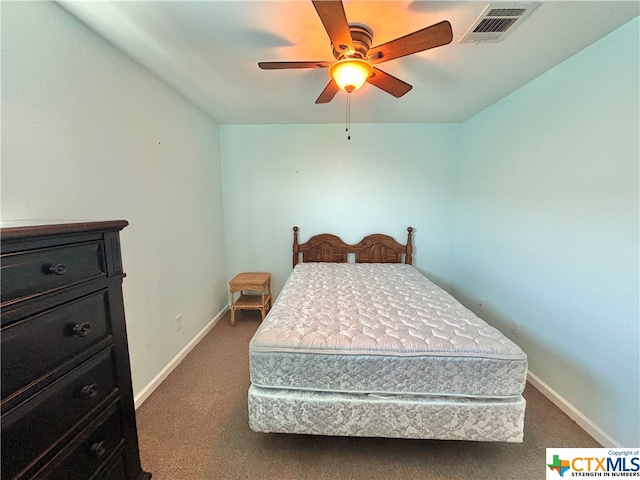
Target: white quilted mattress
380, 329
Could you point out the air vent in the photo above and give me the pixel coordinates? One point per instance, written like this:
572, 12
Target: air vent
497, 20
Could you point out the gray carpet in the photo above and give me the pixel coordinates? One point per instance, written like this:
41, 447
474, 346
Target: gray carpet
195, 426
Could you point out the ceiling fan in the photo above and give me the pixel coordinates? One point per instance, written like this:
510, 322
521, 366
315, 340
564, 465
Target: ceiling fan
354, 56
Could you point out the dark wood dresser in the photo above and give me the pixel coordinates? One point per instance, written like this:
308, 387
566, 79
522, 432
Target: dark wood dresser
67, 400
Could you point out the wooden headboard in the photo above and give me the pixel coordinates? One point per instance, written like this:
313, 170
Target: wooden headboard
375, 248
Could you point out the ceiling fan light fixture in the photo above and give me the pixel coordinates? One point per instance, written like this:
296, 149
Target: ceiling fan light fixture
350, 73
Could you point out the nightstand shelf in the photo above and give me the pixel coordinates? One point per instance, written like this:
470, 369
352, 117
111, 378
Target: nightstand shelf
259, 282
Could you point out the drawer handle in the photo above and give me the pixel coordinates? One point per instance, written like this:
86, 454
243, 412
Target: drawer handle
58, 269
81, 329
89, 391
98, 449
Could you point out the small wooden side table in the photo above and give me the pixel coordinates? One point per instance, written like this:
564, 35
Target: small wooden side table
250, 281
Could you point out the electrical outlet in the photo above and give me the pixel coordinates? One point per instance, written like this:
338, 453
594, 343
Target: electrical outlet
515, 328
179, 322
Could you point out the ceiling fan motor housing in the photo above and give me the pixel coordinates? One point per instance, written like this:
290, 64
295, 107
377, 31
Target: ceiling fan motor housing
362, 37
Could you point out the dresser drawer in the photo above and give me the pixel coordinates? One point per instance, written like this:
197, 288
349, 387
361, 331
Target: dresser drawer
37, 345
116, 471
30, 430
38, 271
91, 451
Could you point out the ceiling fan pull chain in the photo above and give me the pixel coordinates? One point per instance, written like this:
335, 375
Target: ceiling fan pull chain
348, 129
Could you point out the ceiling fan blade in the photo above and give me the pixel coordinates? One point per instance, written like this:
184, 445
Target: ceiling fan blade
334, 19
429, 37
329, 92
281, 65
388, 83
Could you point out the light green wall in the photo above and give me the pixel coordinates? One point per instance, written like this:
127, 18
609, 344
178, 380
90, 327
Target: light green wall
547, 227
89, 134
386, 178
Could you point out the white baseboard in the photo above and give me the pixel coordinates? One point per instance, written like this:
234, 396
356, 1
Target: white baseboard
164, 373
573, 413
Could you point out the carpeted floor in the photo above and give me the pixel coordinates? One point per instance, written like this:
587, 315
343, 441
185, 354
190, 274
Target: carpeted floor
195, 426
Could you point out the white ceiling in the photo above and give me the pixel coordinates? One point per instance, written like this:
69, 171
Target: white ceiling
209, 51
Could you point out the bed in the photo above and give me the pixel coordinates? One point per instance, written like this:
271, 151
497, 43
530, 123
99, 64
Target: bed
360, 343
